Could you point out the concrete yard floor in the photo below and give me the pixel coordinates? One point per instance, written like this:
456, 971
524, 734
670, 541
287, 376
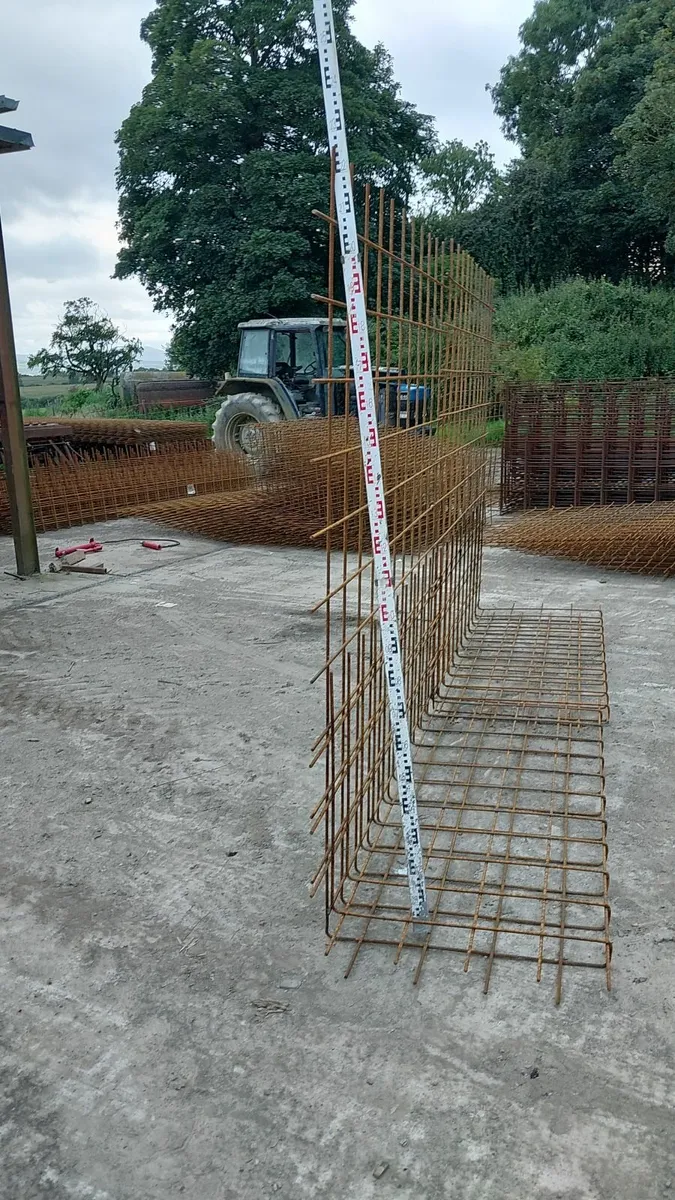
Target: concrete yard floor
170, 1024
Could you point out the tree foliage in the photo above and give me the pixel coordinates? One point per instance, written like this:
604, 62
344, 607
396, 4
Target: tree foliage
87, 346
224, 159
589, 102
646, 139
586, 330
456, 177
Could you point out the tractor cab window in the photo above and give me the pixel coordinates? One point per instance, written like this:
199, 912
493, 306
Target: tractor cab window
338, 356
305, 354
295, 355
339, 351
283, 356
253, 352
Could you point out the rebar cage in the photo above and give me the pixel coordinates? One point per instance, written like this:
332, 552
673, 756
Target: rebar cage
510, 781
430, 314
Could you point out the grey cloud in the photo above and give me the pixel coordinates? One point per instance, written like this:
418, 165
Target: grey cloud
445, 73
78, 66
76, 69
64, 258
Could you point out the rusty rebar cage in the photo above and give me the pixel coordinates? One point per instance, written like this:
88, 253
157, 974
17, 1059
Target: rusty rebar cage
588, 443
118, 431
509, 764
430, 314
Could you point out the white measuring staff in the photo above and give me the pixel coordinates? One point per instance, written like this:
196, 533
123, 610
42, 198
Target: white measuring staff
370, 446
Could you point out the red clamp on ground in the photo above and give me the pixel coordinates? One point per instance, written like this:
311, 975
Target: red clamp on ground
90, 547
152, 545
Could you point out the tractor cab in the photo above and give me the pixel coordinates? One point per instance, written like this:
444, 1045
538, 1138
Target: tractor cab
294, 353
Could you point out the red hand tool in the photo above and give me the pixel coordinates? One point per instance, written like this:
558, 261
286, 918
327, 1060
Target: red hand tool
90, 547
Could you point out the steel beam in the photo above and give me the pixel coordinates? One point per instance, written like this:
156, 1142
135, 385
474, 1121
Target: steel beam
13, 438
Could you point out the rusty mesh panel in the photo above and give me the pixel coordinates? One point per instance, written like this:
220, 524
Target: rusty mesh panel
102, 431
633, 537
588, 443
110, 484
506, 709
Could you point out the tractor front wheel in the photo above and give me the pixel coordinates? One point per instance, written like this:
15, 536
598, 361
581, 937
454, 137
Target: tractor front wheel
237, 417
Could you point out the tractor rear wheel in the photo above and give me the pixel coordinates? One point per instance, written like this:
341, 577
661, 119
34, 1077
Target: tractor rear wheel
237, 417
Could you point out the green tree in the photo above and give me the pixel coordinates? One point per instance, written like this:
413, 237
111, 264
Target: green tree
87, 346
537, 87
646, 140
578, 201
524, 231
456, 177
224, 159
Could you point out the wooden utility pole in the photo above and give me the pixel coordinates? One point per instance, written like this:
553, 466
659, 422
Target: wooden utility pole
15, 456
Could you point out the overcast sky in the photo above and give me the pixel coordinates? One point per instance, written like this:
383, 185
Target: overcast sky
78, 65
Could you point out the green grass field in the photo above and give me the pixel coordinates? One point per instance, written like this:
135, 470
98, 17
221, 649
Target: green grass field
41, 397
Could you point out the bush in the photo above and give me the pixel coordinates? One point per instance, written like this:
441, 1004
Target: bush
81, 398
593, 331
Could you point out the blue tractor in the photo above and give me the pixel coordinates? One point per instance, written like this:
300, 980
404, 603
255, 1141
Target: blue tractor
283, 376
